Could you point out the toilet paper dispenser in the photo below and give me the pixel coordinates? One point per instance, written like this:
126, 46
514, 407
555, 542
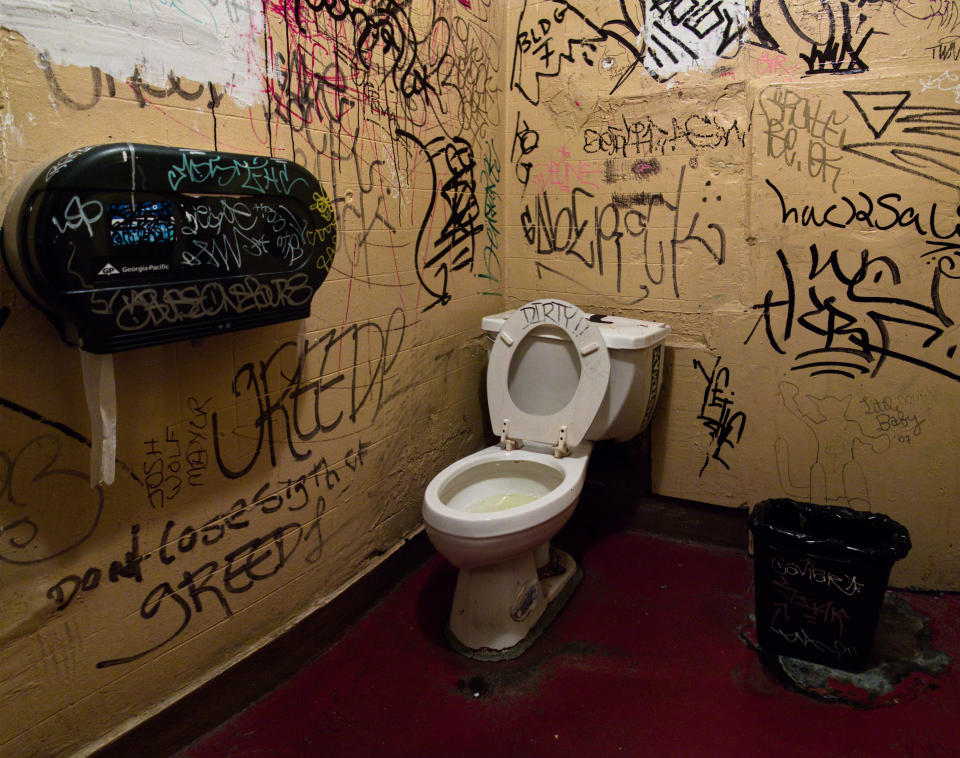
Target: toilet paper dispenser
128, 245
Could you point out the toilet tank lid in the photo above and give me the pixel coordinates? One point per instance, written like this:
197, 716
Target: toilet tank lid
619, 333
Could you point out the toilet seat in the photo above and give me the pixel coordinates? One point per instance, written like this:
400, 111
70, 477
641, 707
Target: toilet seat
567, 426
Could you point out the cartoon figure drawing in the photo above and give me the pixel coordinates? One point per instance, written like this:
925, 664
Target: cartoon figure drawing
834, 476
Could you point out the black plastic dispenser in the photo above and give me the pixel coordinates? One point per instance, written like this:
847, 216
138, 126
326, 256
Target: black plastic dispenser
127, 245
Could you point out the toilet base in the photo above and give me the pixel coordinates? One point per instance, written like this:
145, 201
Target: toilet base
500, 610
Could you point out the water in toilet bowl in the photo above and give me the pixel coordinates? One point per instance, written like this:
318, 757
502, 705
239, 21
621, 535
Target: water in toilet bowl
500, 501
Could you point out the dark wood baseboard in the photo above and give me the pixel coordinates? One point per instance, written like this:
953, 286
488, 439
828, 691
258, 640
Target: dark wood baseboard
249, 679
685, 519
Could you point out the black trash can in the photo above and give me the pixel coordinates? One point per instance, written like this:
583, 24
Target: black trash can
820, 574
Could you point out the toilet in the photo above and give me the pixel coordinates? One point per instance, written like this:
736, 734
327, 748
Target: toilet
557, 380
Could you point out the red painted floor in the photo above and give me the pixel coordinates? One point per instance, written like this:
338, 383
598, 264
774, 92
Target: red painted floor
646, 660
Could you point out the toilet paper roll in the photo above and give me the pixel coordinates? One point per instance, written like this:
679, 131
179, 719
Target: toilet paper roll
100, 388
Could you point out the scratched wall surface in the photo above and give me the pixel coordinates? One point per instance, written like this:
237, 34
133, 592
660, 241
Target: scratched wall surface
251, 485
778, 181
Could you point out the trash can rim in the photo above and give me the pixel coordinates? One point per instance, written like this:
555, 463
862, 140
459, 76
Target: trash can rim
892, 538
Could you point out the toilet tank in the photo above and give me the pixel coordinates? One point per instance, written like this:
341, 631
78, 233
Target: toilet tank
551, 366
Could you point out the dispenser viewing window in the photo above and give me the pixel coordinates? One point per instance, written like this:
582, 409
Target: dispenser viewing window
127, 245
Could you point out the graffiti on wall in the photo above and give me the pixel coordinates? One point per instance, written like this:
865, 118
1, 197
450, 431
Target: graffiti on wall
490, 269
920, 140
724, 425
348, 75
291, 410
681, 35
398, 106
391, 104
242, 545
803, 133
284, 519
835, 34
600, 237
337, 78
847, 311
557, 33
451, 222
47, 507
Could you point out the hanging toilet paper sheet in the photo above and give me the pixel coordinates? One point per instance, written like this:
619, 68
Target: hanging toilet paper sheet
100, 388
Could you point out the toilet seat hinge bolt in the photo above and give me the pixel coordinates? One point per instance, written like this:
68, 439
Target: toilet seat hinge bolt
560, 450
506, 441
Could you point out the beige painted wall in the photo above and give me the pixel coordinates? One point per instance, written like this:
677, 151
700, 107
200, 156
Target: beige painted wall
779, 183
632, 164
116, 598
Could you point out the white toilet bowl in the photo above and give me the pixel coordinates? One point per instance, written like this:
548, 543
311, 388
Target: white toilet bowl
493, 513
496, 503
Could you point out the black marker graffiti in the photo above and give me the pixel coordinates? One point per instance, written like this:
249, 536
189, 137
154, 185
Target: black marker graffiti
161, 469
63, 592
946, 49
452, 166
882, 213
918, 140
172, 462
817, 27
525, 141
644, 137
890, 416
854, 328
46, 508
197, 451
838, 56
291, 410
562, 314
716, 413
679, 34
99, 80
546, 37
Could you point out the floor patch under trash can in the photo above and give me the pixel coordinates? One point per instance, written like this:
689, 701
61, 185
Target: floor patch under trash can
904, 665
820, 576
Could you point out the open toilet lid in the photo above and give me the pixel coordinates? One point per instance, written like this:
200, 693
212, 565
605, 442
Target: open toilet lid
569, 424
